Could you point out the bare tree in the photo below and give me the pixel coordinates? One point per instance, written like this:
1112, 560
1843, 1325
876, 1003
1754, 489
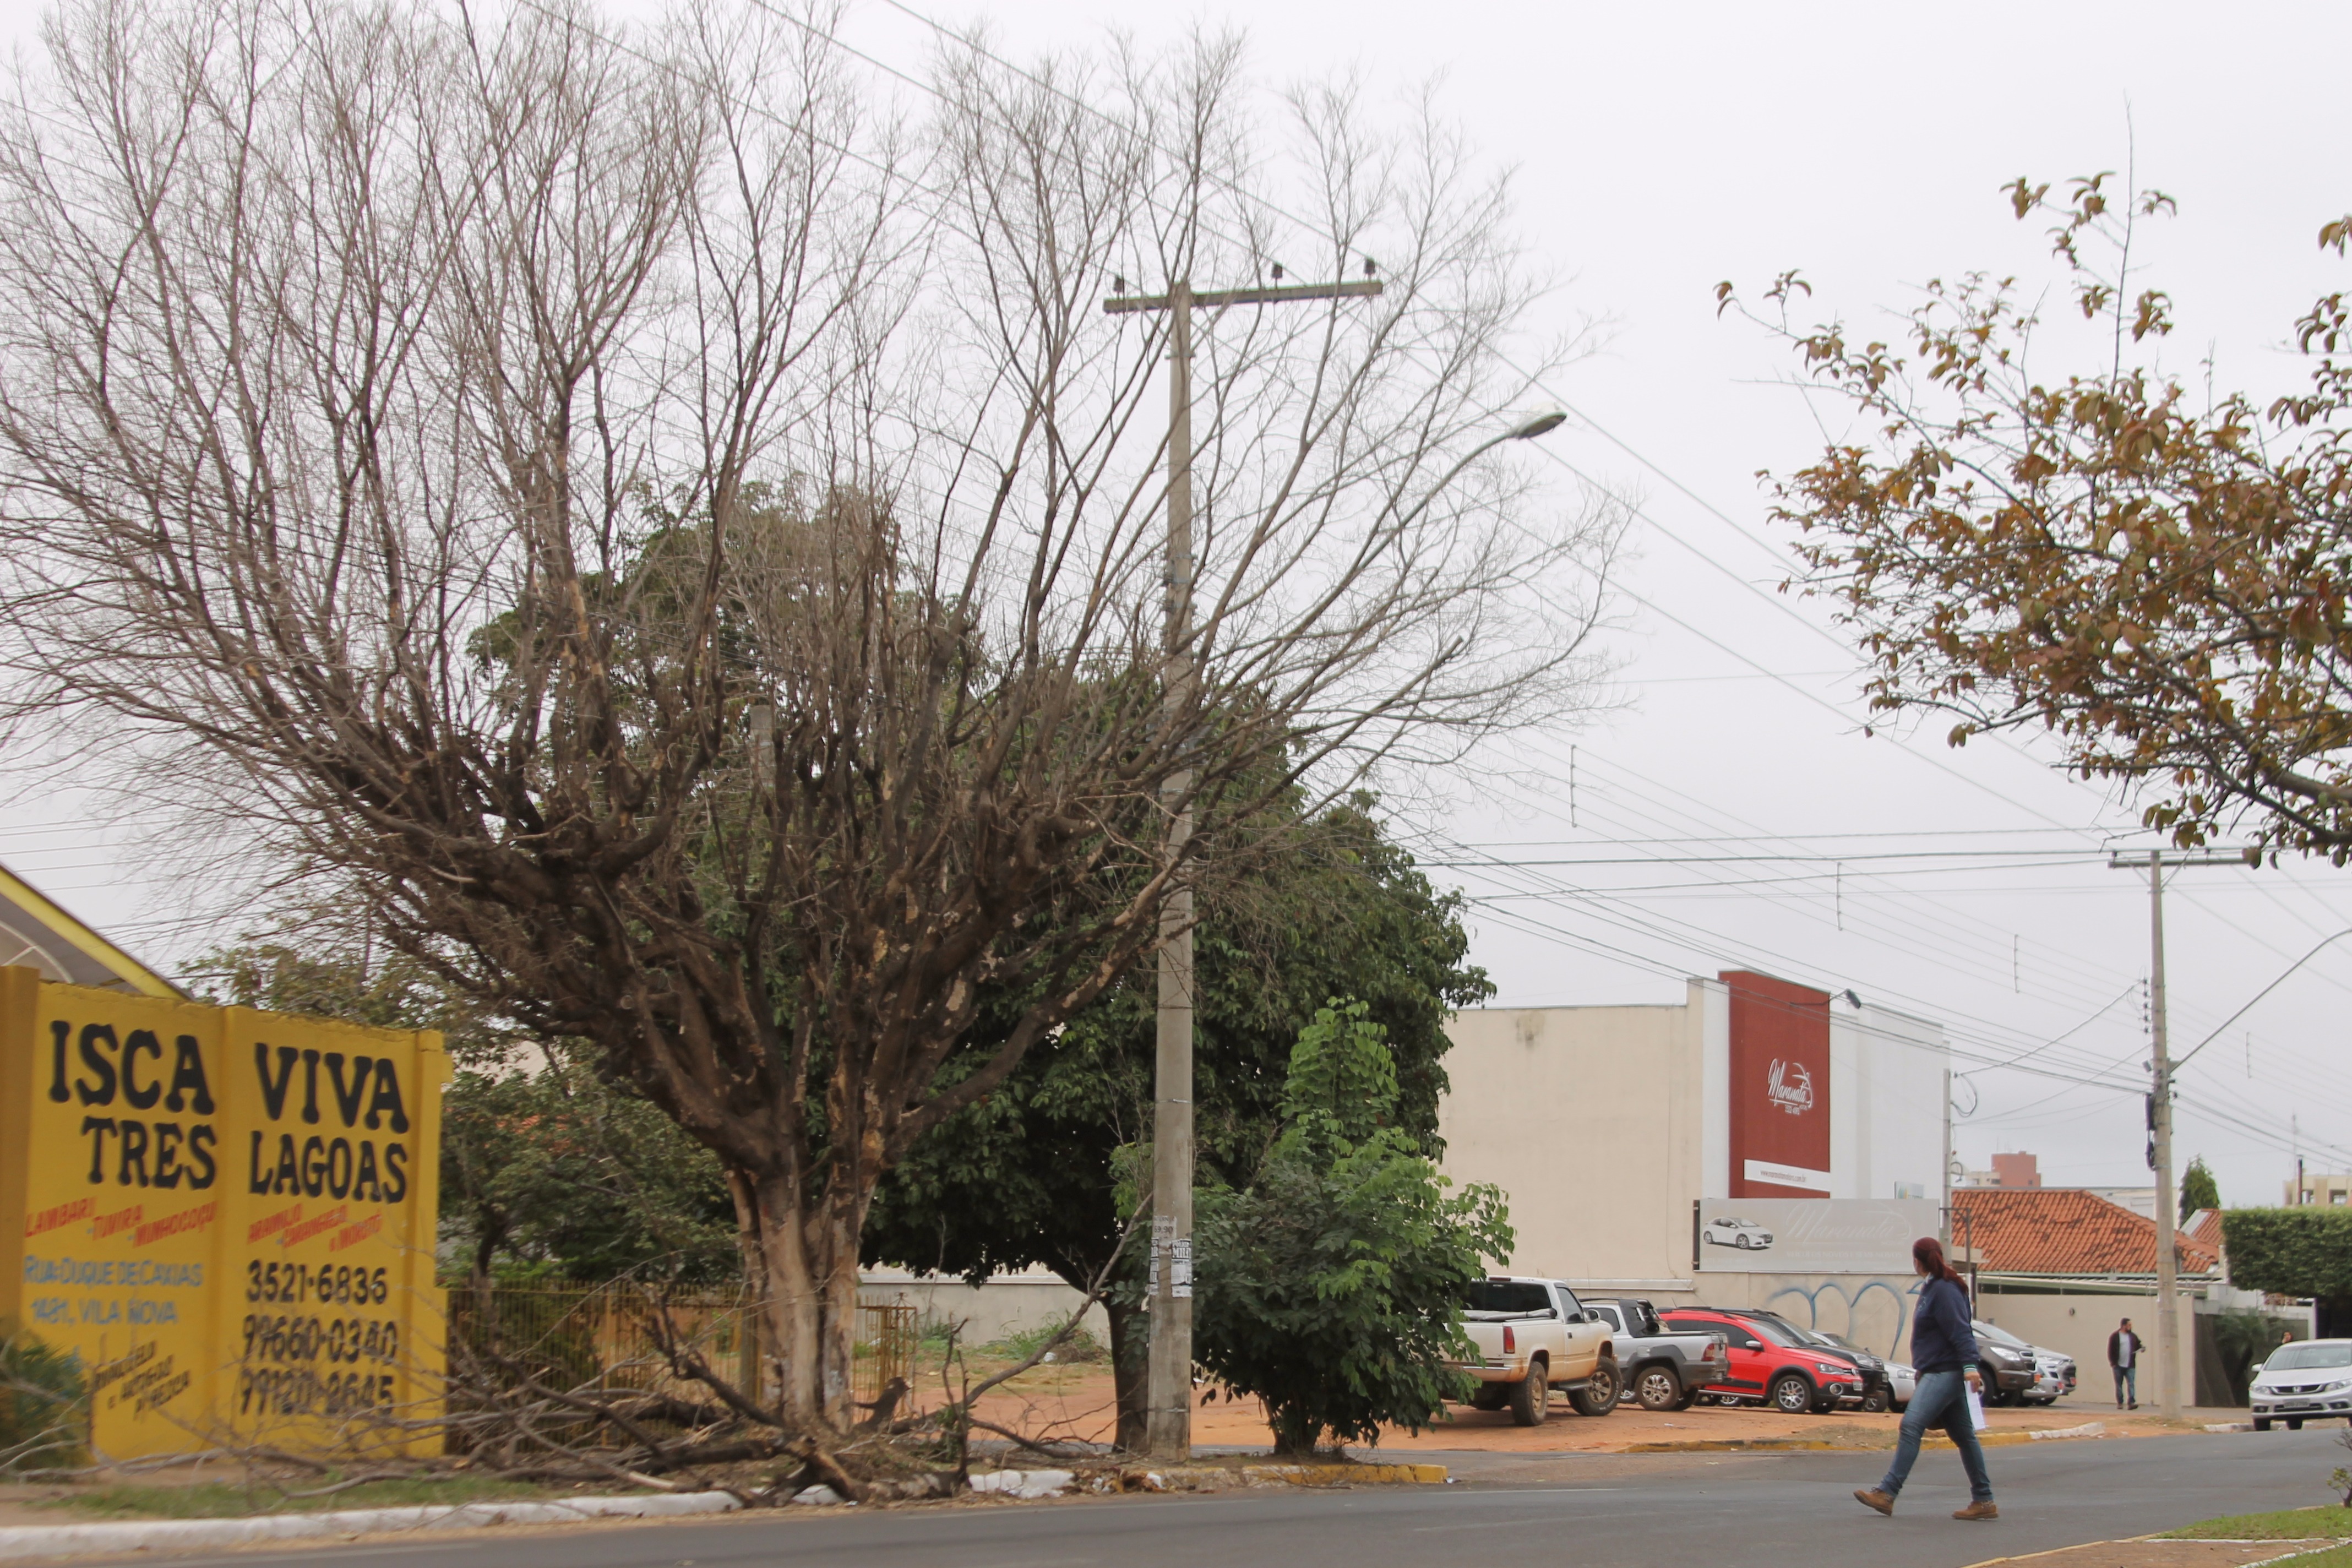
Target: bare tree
683, 553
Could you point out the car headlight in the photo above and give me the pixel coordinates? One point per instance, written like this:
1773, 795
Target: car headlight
1826, 1370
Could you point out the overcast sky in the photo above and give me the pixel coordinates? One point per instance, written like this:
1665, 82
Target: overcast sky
1659, 150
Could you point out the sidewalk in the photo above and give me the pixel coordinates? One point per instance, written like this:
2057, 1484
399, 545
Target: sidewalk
1075, 1402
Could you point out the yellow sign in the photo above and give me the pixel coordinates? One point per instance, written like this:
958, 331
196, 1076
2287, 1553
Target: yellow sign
228, 1214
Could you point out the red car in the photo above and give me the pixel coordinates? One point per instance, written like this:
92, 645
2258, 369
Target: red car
1768, 1364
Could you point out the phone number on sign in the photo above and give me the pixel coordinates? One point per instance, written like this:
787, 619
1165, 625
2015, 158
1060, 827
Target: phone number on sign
310, 1339
300, 1391
340, 1283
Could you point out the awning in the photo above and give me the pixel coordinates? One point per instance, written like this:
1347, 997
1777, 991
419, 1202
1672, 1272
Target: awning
34, 932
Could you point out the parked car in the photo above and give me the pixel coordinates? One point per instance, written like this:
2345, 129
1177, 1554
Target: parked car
1902, 1383
1770, 1361
1661, 1370
1878, 1386
1724, 1230
1533, 1336
2053, 1376
2308, 1380
2009, 1363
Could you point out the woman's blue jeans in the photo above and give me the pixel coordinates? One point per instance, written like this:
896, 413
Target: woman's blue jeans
1940, 1400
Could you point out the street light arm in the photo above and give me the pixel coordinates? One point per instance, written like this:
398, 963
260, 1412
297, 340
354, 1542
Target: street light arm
1525, 430
2179, 1062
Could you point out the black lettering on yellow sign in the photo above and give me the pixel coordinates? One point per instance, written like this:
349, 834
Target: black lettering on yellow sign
373, 1079
152, 1154
189, 1088
329, 1167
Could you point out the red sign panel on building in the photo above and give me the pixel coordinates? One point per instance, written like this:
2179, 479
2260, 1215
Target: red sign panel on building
1779, 1087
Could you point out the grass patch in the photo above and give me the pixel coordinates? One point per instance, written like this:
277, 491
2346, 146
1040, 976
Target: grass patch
2288, 1524
221, 1499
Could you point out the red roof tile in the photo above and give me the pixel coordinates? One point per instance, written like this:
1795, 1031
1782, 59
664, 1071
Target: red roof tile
2204, 1228
2056, 1230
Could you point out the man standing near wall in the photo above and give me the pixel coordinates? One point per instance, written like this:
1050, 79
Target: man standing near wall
2123, 1360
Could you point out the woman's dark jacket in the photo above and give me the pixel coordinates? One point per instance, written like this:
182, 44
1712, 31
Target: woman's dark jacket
1941, 1339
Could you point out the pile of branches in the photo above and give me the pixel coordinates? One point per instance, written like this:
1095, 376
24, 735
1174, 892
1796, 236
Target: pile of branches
517, 1413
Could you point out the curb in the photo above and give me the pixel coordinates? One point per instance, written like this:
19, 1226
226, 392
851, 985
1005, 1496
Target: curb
1817, 1445
22, 1541
1348, 1475
2087, 1429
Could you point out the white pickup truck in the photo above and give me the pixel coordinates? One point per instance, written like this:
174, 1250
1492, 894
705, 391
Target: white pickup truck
1533, 1336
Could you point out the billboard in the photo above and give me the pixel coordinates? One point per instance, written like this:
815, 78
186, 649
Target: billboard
1779, 1087
1810, 1235
228, 1214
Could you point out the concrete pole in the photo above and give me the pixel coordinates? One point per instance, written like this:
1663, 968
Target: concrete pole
1169, 1379
1946, 1210
2167, 1383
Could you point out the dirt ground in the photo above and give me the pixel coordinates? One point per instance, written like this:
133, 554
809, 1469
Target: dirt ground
1075, 1402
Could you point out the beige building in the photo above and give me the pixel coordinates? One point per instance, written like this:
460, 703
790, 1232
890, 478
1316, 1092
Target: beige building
1607, 1126
2319, 1189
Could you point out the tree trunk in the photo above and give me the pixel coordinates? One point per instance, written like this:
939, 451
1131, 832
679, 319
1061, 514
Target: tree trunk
1130, 1357
810, 1302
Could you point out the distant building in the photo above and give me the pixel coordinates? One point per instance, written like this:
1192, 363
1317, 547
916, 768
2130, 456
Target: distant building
1606, 1126
2015, 1170
2316, 1188
2063, 1266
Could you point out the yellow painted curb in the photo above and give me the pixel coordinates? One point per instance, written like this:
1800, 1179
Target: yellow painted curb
1343, 1475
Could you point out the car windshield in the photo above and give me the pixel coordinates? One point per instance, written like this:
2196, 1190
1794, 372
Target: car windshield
1506, 1296
2323, 1353
1780, 1333
1839, 1341
2001, 1337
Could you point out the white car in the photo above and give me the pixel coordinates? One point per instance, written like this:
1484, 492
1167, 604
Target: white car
1724, 1230
1902, 1383
2309, 1380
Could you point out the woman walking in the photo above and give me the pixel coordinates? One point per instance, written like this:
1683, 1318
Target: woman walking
1944, 1351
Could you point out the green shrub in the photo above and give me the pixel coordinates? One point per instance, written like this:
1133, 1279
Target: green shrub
41, 1413
1331, 1288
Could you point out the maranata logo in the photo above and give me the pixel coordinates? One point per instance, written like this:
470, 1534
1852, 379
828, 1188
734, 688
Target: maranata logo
1788, 1086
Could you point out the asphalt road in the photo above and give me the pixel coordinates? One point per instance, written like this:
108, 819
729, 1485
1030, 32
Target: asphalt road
1724, 1510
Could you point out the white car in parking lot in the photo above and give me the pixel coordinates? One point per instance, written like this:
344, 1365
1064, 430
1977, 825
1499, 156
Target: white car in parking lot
2309, 1380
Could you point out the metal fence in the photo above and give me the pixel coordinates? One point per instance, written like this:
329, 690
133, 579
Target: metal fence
609, 1336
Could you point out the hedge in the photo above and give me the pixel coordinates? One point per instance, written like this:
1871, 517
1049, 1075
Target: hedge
2302, 1251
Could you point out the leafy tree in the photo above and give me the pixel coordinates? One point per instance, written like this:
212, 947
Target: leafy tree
2198, 1189
766, 814
1330, 1288
2156, 575
544, 1166
1032, 1175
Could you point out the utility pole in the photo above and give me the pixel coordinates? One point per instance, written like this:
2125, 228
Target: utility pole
1946, 1238
1167, 1431
2167, 1265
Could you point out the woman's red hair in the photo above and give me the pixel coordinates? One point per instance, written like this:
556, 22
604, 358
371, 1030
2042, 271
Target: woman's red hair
1928, 1254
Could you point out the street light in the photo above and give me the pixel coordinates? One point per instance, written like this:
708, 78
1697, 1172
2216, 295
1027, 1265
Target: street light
1526, 429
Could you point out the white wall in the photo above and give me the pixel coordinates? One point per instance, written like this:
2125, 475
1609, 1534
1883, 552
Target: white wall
1007, 1304
1588, 1119
2080, 1324
1887, 1102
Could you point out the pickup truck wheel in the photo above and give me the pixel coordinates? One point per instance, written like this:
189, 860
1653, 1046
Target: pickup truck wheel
1655, 1388
1598, 1395
1875, 1401
1531, 1396
1791, 1395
